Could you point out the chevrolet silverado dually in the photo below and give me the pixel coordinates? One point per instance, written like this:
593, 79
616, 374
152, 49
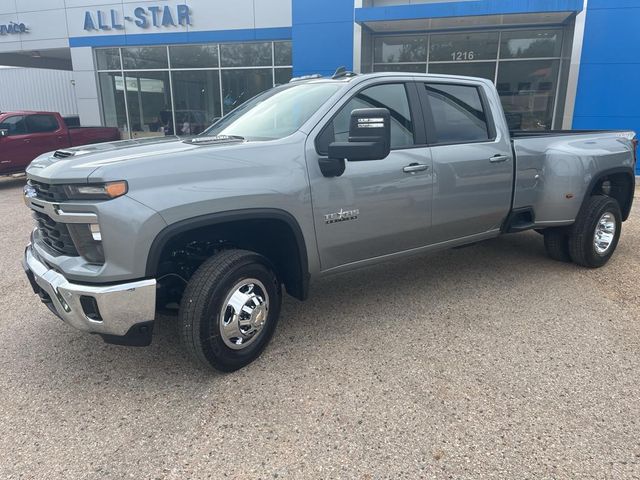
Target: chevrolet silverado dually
308, 179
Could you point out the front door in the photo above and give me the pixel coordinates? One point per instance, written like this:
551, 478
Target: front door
376, 207
14, 148
472, 161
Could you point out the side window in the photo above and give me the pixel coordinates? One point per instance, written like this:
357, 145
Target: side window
41, 123
392, 96
458, 114
16, 125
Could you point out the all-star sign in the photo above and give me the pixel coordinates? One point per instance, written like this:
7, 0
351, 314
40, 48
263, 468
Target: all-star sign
143, 17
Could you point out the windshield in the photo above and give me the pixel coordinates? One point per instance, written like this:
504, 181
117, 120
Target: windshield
276, 113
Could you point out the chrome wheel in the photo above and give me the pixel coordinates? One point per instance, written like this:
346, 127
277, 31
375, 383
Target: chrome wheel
605, 233
244, 313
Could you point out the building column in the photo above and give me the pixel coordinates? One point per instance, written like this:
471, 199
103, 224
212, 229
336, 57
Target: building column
86, 86
322, 36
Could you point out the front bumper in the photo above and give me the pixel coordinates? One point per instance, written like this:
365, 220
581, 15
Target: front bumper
119, 310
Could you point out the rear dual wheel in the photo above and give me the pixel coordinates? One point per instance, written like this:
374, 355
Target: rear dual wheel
592, 239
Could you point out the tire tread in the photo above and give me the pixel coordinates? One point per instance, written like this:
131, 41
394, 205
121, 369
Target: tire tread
581, 236
194, 299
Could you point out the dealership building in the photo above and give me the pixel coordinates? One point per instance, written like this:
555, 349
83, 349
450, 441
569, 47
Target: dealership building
152, 67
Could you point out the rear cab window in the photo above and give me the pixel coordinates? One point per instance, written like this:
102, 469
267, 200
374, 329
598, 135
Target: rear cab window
457, 114
392, 96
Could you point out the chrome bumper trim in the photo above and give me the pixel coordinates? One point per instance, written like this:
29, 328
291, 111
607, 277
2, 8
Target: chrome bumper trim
121, 306
56, 213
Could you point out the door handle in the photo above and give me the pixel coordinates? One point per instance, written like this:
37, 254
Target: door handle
415, 167
27, 141
499, 159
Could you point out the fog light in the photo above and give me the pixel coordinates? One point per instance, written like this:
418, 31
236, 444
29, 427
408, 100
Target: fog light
95, 232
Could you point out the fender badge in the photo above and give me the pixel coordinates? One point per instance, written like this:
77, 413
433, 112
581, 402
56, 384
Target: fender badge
341, 216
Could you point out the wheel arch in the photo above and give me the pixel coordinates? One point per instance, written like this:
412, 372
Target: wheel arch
295, 275
623, 187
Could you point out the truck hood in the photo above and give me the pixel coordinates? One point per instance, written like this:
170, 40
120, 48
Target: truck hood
75, 165
143, 159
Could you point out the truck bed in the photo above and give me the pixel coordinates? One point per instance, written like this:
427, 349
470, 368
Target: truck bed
515, 134
555, 169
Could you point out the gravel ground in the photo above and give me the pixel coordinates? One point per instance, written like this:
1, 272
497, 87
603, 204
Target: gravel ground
487, 362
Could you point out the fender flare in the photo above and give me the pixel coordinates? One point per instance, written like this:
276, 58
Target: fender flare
212, 219
626, 209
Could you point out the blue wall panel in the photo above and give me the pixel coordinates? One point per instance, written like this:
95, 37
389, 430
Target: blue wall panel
610, 67
322, 36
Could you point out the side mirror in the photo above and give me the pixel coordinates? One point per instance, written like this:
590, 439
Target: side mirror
4, 132
369, 137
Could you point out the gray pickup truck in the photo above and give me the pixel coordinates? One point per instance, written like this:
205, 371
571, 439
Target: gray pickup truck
308, 179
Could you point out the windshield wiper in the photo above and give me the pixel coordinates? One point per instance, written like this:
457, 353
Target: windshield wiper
215, 139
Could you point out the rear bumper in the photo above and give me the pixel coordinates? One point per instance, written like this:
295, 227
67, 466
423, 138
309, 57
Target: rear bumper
119, 310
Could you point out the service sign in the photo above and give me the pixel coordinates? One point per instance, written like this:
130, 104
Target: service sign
13, 28
147, 17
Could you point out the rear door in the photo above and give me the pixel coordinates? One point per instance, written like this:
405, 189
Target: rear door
375, 207
14, 150
472, 159
45, 134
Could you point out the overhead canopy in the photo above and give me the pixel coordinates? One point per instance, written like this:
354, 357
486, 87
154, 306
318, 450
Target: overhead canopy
443, 15
56, 58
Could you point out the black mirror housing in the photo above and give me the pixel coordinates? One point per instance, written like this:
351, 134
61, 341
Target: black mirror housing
369, 136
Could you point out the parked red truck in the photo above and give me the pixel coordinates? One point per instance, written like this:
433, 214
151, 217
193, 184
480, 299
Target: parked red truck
25, 135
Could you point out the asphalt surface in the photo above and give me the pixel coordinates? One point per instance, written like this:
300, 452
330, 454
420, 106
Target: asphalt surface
485, 362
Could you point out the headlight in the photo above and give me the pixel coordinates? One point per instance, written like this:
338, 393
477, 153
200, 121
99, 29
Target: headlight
96, 191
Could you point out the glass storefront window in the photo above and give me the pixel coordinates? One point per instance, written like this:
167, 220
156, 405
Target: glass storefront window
472, 69
462, 47
283, 75
402, 67
400, 49
190, 56
527, 91
149, 102
108, 59
526, 64
238, 86
246, 54
112, 96
177, 89
531, 44
196, 97
142, 58
282, 53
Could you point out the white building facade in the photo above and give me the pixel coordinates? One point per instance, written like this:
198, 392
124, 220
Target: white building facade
153, 67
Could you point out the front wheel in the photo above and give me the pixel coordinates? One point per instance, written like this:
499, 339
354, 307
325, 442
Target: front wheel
230, 309
595, 235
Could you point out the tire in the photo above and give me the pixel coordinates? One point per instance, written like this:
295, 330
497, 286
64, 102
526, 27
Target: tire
238, 281
556, 243
582, 239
